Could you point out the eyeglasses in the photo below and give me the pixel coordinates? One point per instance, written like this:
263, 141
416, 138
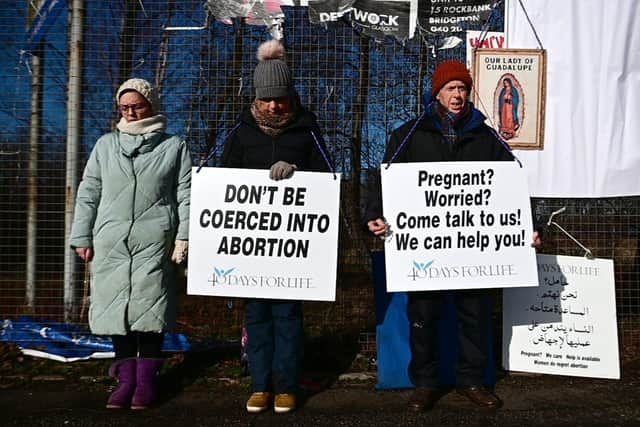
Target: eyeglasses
135, 107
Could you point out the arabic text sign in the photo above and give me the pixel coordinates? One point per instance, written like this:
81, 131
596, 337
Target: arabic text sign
566, 325
250, 236
457, 225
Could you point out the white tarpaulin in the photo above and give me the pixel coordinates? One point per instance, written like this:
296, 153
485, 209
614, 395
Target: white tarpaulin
591, 142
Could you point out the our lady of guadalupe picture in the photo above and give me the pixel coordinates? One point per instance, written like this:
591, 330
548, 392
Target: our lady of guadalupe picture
510, 87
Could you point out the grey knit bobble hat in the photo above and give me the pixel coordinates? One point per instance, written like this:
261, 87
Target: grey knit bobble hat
272, 77
144, 88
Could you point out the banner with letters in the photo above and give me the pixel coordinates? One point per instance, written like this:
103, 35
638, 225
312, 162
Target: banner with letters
380, 18
565, 326
375, 18
483, 40
250, 236
324, 11
457, 225
448, 18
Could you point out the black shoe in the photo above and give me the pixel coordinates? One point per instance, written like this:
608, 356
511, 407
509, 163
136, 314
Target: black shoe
423, 399
481, 397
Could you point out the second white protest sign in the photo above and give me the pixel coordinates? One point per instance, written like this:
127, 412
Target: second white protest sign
457, 225
250, 236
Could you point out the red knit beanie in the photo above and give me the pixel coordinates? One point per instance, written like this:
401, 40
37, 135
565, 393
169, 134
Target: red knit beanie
447, 71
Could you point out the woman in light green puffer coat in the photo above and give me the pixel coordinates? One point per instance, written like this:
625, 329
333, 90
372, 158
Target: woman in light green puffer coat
131, 220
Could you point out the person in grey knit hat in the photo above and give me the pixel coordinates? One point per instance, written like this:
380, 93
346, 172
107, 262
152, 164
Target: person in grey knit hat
272, 77
276, 133
276, 102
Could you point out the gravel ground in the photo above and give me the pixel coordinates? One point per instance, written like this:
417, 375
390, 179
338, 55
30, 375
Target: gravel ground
211, 391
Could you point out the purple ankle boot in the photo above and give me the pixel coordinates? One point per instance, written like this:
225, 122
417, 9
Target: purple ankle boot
147, 371
125, 372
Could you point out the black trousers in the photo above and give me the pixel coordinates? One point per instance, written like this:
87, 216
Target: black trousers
138, 344
424, 310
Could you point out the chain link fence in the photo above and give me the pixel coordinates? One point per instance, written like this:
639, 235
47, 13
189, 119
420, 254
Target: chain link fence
360, 89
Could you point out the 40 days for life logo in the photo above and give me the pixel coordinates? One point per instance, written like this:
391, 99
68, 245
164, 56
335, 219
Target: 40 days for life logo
426, 270
219, 274
419, 269
223, 277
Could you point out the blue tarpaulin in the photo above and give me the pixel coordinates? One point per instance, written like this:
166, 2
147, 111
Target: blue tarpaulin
45, 17
65, 342
392, 337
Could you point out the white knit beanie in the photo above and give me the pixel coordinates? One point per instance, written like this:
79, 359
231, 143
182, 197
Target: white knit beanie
144, 88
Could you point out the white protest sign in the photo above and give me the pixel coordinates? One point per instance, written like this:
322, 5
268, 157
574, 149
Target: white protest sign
250, 236
483, 40
457, 225
565, 326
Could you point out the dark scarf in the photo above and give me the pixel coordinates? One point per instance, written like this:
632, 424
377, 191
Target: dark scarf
273, 124
450, 121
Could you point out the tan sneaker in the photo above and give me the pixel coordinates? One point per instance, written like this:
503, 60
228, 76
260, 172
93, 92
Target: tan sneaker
259, 401
285, 403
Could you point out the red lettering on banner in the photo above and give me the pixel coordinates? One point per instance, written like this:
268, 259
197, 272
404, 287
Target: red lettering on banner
491, 42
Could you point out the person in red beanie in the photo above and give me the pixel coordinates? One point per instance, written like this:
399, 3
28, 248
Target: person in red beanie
450, 129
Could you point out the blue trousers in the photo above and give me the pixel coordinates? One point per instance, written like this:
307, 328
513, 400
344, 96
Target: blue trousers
275, 345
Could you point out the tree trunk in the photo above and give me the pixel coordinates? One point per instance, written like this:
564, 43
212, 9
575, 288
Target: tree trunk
422, 72
351, 198
127, 47
161, 67
231, 91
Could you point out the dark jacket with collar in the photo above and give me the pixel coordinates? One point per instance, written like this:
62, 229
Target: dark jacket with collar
250, 148
476, 142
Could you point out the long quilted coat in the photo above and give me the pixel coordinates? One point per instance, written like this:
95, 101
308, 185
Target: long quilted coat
132, 204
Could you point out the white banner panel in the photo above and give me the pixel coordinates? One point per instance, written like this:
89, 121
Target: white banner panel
483, 40
565, 326
457, 225
250, 236
593, 85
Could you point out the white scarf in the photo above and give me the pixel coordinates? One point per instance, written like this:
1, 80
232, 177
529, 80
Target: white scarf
157, 123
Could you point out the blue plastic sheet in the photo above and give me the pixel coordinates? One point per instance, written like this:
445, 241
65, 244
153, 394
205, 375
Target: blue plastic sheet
392, 337
66, 342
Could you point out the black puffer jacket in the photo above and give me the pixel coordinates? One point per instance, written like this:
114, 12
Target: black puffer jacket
250, 148
476, 142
